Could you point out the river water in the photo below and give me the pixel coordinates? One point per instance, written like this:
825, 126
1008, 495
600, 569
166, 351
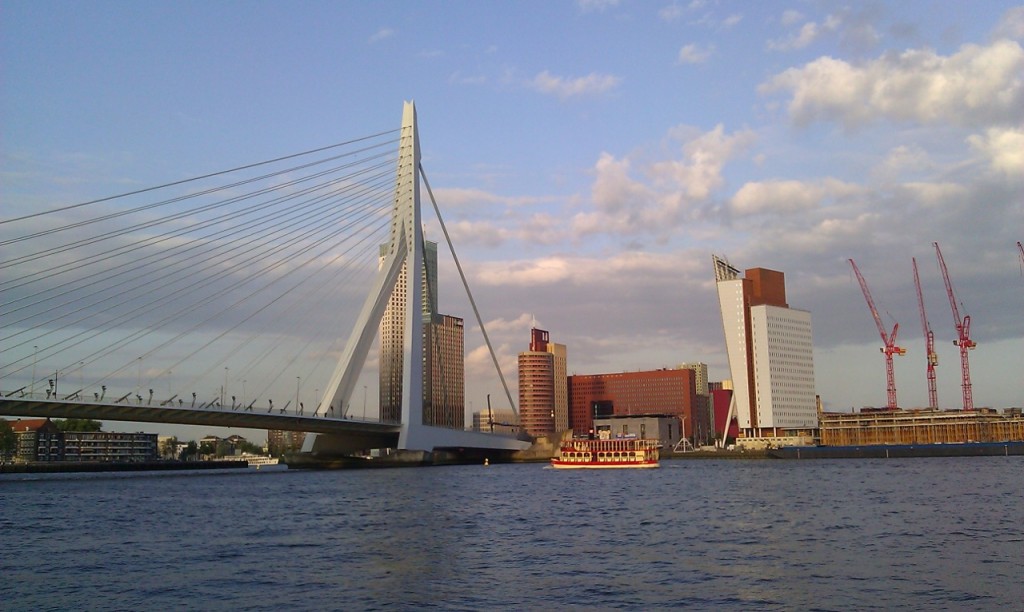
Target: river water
920, 534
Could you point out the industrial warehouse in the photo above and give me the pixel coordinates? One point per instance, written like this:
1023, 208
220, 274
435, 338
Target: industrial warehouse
920, 427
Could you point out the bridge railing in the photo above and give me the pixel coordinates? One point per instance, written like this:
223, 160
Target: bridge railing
177, 403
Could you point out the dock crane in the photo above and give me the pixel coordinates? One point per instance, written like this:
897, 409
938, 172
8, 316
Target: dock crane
889, 349
929, 339
963, 332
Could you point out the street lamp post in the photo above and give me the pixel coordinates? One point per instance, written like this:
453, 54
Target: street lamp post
224, 389
298, 382
35, 358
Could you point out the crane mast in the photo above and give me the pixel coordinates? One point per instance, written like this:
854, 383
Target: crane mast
929, 339
963, 333
889, 349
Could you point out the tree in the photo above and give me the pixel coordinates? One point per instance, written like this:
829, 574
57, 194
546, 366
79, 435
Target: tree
78, 425
224, 448
190, 451
169, 448
8, 440
249, 447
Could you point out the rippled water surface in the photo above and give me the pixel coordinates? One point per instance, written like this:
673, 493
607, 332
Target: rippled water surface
921, 534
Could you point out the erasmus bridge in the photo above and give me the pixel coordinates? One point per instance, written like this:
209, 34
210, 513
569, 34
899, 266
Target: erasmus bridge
194, 302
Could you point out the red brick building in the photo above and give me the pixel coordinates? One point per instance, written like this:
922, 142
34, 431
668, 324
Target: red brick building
668, 392
38, 440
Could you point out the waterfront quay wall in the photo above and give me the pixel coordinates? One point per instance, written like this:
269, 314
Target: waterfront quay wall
54, 467
920, 427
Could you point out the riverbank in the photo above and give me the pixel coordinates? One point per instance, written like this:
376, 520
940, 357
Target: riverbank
56, 467
893, 451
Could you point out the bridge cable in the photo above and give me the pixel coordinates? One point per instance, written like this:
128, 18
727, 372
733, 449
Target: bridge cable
201, 281
282, 295
154, 327
221, 245
197, 178
173, 217
469, 294
197, 284
211, 263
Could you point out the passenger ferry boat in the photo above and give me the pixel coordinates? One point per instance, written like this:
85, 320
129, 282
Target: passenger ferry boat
258, 461
584, 453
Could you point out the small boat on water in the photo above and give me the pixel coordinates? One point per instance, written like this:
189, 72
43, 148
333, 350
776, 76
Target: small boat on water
587, 453
258, 461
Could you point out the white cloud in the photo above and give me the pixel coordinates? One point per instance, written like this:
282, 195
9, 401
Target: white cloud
485, 233
523, 322
382, 34
670, 12
669, 192
786, 197
457, 78
775, 197
564, 88
791, 17
699, 171
976, 85
622, 268
900, 161
1004, 149
694, 54
588, 6
808, 33
460, 197
528, 273
732, 20
1012, 24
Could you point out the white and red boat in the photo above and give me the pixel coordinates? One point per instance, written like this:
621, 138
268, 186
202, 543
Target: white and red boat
585, 453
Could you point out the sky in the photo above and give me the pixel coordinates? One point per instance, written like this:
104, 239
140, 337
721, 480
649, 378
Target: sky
590, 156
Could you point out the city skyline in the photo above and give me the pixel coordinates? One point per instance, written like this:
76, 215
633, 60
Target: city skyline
588, 174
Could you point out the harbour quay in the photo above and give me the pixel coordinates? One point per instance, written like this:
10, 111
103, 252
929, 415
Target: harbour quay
920, 426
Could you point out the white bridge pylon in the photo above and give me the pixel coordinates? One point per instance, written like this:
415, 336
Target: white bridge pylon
405, 247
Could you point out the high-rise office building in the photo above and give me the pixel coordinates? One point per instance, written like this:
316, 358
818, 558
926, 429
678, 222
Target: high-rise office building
543, 386
504, 422
444, 372
770, 349
559, 360
537, 386
443, 352
280, 442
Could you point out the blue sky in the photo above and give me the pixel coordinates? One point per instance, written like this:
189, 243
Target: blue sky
590, 156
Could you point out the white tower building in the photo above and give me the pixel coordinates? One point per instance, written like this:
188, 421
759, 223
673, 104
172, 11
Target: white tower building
771, 353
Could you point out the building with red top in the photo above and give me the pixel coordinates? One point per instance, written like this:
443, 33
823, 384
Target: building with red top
38, 440
771, 354
543, 398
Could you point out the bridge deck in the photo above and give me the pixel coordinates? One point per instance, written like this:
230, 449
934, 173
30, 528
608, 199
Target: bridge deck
350, 433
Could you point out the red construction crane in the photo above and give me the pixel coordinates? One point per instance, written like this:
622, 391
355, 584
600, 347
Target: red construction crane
929, 340
963, 332
889, 341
